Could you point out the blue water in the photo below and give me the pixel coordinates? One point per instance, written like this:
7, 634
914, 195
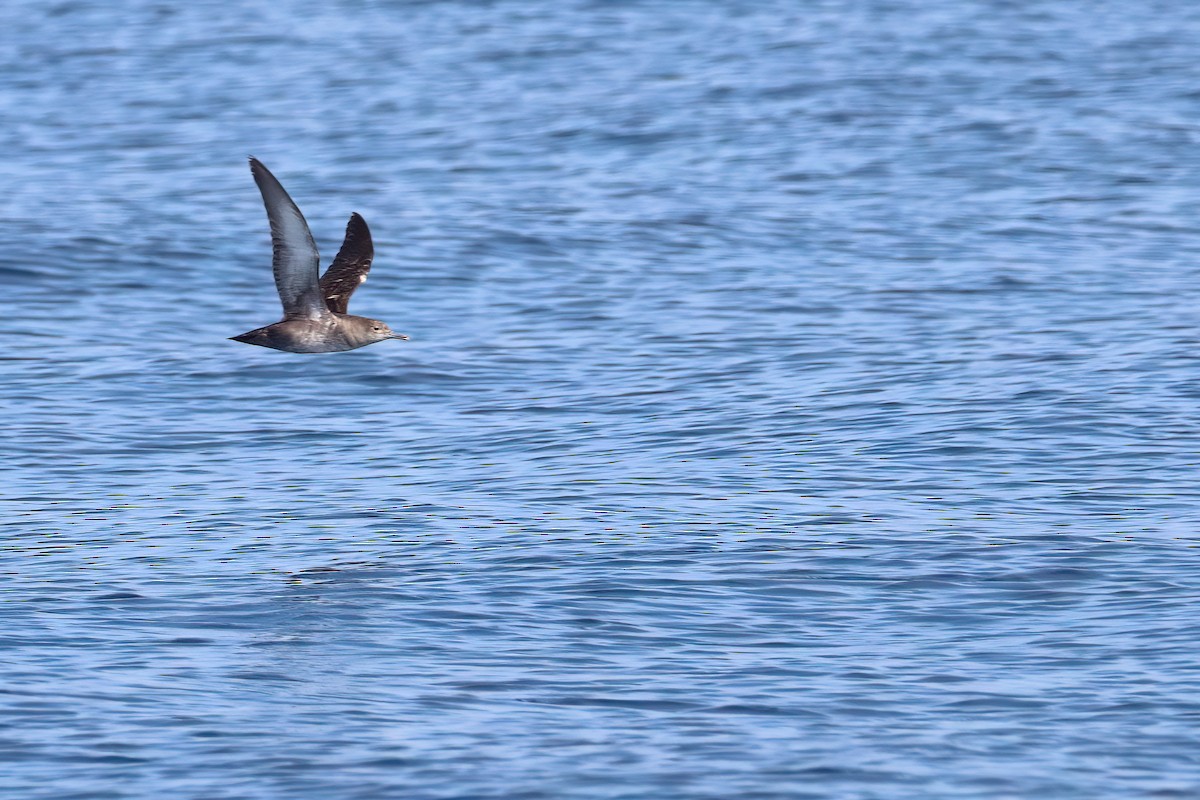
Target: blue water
801, 402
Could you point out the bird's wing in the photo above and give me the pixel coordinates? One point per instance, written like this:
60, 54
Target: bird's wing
295, 259
350, 267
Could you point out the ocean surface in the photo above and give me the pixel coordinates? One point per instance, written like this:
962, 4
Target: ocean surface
803, 402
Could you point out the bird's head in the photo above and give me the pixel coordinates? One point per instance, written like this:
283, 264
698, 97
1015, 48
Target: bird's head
378, 331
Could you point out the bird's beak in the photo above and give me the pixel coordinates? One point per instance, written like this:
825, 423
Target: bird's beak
398, 336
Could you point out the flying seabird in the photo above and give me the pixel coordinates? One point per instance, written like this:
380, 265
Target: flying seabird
314, 305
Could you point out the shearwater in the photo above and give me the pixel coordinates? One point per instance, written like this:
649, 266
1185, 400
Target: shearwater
314, 305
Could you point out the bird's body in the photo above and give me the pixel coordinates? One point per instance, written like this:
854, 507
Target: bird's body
330, 334
314, 305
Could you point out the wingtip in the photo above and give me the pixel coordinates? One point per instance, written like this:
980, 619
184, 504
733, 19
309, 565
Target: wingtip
357, 227
261, 173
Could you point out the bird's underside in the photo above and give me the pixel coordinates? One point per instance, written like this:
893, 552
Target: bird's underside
331, 335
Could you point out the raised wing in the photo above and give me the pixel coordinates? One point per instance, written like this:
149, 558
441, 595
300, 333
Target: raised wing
295, 260
350, 267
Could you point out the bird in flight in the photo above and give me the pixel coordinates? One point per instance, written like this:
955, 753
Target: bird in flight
314, 305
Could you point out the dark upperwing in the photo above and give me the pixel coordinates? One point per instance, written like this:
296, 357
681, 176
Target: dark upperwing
350, 267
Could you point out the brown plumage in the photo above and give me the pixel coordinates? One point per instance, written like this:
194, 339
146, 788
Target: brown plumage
314, 309
350, 266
